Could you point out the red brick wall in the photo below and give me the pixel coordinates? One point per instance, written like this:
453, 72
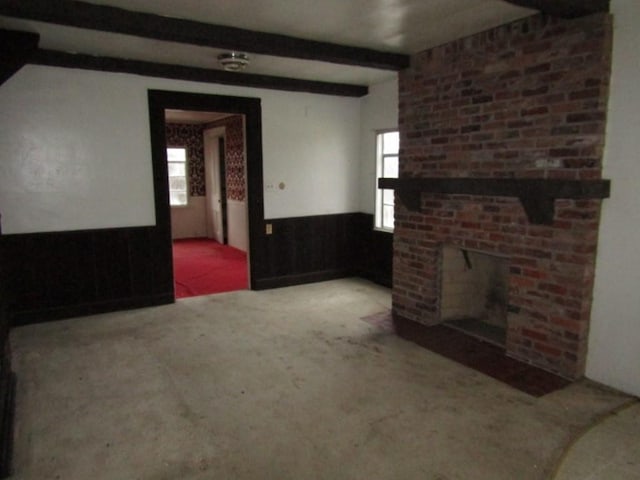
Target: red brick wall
524, 100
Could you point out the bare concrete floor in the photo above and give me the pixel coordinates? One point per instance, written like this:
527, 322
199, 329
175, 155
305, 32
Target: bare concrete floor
281, 384
608, 450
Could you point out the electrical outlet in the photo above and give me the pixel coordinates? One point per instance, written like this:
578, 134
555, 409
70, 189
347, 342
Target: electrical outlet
269, 229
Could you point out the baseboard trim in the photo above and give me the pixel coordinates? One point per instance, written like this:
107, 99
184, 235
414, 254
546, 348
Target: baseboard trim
27, 317
299, 279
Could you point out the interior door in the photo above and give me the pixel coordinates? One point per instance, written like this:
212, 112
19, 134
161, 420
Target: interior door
214, 210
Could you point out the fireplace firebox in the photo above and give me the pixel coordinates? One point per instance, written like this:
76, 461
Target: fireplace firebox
474, 293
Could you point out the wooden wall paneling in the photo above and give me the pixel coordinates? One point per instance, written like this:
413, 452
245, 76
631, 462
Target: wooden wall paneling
141, 261
112, 265
283, 257
314, 248
277, 252
326, 244
160, 261
345, 236
373, 252
306, 245
65, 274
380, 260
7, 377
25, 285
70, 269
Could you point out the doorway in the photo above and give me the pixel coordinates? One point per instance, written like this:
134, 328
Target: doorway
250, 111
208, 220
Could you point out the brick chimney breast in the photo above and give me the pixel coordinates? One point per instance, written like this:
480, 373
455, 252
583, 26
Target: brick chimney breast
526, 100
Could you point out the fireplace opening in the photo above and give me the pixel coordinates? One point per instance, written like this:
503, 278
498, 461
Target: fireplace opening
474, 293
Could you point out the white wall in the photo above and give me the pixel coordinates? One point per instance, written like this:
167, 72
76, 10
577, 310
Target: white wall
311, 146
76, 152
237, 224
379, 112
189, 221
614, 340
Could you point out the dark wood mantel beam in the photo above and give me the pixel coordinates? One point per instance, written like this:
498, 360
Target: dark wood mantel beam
565, 8
17, 49
537, 196
117, 20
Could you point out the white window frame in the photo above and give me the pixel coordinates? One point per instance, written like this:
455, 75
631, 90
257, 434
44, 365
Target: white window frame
186, 174
380, 159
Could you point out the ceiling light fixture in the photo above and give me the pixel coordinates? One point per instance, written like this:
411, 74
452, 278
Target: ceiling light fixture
233, 61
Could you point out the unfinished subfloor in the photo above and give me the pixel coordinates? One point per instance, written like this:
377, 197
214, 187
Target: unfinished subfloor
281, 384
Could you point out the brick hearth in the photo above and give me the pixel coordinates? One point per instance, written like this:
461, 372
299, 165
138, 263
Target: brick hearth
526, 100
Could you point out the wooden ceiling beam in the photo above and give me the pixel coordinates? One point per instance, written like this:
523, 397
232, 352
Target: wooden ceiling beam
17, 49
180, 72
565, 8
117, 20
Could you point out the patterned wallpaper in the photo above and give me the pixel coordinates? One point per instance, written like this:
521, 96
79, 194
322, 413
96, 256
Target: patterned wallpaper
181, 135
190, 136
235, 164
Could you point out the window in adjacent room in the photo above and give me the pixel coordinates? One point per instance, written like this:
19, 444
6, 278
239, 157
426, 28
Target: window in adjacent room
387, 149
177, 166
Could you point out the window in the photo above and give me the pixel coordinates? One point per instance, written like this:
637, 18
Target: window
177, 163
387, 149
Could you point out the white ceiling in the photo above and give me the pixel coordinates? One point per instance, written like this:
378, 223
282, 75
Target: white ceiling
405, 26
401, 26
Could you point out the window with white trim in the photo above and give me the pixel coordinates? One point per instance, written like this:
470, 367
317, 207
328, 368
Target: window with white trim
177, 166
387, 150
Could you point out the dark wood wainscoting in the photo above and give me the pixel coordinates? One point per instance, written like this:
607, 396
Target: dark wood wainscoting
323, 247
66, 274
7, 378
374, 253
304, 250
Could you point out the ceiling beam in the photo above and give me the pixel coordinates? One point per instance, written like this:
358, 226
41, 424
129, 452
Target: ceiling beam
17, 48
117, 20
565, 8
179, 72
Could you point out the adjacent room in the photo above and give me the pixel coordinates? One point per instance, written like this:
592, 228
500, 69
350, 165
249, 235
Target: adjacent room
344, 240
207, 197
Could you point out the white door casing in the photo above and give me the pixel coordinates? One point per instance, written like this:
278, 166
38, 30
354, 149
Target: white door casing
214, 220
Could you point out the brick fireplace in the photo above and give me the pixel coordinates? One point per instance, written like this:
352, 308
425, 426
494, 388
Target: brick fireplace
507, 112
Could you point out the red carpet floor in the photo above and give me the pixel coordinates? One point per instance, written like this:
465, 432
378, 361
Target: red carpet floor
202, 266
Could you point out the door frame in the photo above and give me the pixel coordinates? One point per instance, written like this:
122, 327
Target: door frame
213, 180
161, 100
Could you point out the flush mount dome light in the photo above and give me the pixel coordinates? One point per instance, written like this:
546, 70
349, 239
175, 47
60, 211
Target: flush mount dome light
233, 61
